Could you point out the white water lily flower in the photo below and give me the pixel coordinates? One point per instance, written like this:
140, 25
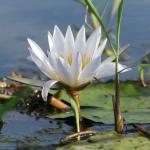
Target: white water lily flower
74, 62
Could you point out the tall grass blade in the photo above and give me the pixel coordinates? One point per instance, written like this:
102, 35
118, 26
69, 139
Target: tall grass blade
115, 6
93, 9
120, 10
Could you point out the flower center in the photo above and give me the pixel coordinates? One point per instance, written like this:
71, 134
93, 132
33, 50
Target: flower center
85, 61
69, 59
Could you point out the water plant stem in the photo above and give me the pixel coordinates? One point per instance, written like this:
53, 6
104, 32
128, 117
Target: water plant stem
118, 119
73, 137
76, 99
142, 130
76, 106
119, 124
141, 74
94, 11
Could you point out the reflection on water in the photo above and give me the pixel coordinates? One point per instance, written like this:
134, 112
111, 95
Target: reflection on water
24, 132
32, 18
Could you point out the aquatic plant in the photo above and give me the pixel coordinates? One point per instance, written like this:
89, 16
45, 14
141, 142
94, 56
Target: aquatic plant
73, 63
107, 12
119, 121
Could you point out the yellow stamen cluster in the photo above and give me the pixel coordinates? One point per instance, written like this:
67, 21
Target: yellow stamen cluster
69, 59
85, 60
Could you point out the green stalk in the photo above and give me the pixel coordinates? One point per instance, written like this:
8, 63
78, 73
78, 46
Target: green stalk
118, 117
75, 104
141, 73
95, 23
117, 98
92, 8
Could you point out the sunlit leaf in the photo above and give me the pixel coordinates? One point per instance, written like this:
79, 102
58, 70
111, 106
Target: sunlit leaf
110, 140
97, 102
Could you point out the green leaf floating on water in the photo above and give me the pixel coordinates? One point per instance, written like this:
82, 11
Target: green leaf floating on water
28, 81
33, 82
97, 102
110, 141
12, 102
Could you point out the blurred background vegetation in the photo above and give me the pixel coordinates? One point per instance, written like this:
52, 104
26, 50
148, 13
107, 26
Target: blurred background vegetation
33, 18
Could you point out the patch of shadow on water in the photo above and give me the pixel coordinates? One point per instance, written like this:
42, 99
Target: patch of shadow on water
21, 131
25, 132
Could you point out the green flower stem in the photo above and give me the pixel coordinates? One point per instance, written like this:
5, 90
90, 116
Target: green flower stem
78, 115
75, 103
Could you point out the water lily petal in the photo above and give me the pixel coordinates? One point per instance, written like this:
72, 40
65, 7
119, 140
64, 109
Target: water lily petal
52, 58
80, 40
90, 69
46, 88
98, 52
39, 63
124, 69
109, 59
37, 50
50, 41
76, 67
41, 60
108, 69
58, 41
92, 42
64, 72
69, 42
73, 62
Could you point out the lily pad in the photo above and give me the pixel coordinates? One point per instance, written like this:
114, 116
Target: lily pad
99, 95
33, 82
96, 103
12, 102
28, 81
110, 140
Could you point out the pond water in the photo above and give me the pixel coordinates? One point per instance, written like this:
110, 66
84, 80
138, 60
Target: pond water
21, 131
33, 18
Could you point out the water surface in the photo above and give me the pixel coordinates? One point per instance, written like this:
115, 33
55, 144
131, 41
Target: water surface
33, 18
